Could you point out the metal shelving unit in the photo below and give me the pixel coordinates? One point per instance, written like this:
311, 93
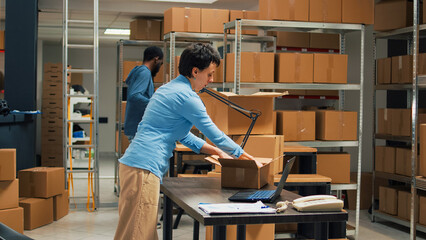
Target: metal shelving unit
411, 34
290, 26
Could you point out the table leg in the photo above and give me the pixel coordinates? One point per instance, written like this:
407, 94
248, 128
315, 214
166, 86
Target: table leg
172, 166
321, 230
337, 230
241, 232
219, 232
167, 219
179, 162
196, 234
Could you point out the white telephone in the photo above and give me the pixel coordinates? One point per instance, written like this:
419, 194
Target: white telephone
314, 203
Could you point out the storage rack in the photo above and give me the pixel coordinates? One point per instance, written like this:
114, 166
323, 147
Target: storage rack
290, 26
412, 35
120, 84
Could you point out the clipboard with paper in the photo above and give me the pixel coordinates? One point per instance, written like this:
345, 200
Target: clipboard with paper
235, 208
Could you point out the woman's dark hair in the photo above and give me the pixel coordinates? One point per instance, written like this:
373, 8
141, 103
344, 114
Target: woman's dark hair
197, 55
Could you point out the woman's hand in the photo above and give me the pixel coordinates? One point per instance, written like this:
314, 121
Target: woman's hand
246, 156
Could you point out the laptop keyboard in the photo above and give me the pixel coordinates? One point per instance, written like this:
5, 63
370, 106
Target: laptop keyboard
264, 194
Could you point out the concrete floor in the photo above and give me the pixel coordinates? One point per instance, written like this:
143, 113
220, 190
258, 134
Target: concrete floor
101, 224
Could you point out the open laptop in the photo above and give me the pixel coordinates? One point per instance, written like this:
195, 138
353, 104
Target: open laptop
264, 195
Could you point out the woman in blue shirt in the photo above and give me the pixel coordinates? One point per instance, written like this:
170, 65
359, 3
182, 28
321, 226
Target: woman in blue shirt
172, 111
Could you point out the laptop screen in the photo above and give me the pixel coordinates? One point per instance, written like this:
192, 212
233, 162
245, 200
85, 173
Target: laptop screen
283, 179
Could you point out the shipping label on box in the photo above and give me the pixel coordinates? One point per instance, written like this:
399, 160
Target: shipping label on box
182, 20
358, 11
145, 29
294, 68
288, 10
384, 70
243, 14
212, 20
329, 11
41, 182
255, 67
336, 125
335, 166
9, 194
7, 164
296, 125
37, 212
330, 68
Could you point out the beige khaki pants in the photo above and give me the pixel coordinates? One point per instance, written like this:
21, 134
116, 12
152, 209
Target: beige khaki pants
138, 204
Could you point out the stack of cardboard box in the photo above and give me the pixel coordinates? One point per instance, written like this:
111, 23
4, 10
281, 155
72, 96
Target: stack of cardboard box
146, 29
397, 201
399, 69
42, 195
390, 15
10, 213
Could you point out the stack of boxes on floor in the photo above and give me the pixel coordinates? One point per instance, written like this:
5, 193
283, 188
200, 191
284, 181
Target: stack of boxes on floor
10, 213
52, 116
42, 196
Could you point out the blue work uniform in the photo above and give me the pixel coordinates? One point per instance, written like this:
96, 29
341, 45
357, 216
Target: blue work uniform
172, 111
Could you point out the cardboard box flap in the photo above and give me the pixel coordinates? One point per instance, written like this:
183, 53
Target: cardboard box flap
213, 159
240, 163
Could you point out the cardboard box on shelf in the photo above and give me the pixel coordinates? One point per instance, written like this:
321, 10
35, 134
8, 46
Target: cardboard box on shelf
243, 14
52, 160
237, 173
265, 146
403, 161
1, 39
294, 68
182, 20
7, 164
37, 212
384, 120
123, 111
145, 29
335, 166
330, 68
128, 66
390, 15
218, 74
13, 218
51, 104
329, 11
404, 205
291, 39
288, 10
159, 78
52, 133
385, 159
336, 125
401, 122
296, 125
324, 40
232, 122
41, 182
124, 142
366, 191
253, 232
421, 67
422, 142
358, 11
388, 200
9, 194
255, 67
384, 70
212, 20
402, 69
53, 67
422, 209
60, 205
52, 93
77, 79
377, 183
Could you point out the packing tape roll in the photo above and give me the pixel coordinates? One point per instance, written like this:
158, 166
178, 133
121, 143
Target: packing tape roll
297, 67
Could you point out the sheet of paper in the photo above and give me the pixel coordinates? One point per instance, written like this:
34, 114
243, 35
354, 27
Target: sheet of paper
229, 208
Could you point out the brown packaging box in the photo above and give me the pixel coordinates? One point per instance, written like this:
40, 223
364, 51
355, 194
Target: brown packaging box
232, 122
76, 78
128, 66
124, 142
37, 212
422, 209
291, 39
421, 67
52, 93
60, 205
324, 40
296, 125
358, 11
366, 191
13, 218
159, 78
401, 122
384, 70
393, 14
2, 39
52, 160
182, 20
329, 11
336, 166
385, 159
123, 111
288, 10
330, 68
336, 125
145, 29
403, 162
53, 67
379, 155
422, 161
402, 69
294, 68
404, 205
238, 173
7, 164
212, 20
9, 194
51, 104
384, 120
388, 200
265, 146
52, 85
253, 232
243, 14
41, 182
255, 67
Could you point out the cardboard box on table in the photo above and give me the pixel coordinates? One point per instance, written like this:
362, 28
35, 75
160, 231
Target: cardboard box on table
37, 212
243, 14
287, 10
182, 20
358, 11
232, 122
43, 182
336, 125
296, 125
13, 218
255, 67
335, 166
212, 20
7, 164
330, 68
388, 200
328, 11
384, 70
294, 68
145, 29
238, 173
9, 194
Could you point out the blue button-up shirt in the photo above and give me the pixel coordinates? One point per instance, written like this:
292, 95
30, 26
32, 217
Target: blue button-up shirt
172, 111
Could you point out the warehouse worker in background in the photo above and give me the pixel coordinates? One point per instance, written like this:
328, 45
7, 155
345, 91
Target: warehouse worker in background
172, 111
140, 89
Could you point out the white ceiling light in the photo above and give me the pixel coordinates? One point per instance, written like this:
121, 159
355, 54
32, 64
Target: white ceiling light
184, 1
116, 31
